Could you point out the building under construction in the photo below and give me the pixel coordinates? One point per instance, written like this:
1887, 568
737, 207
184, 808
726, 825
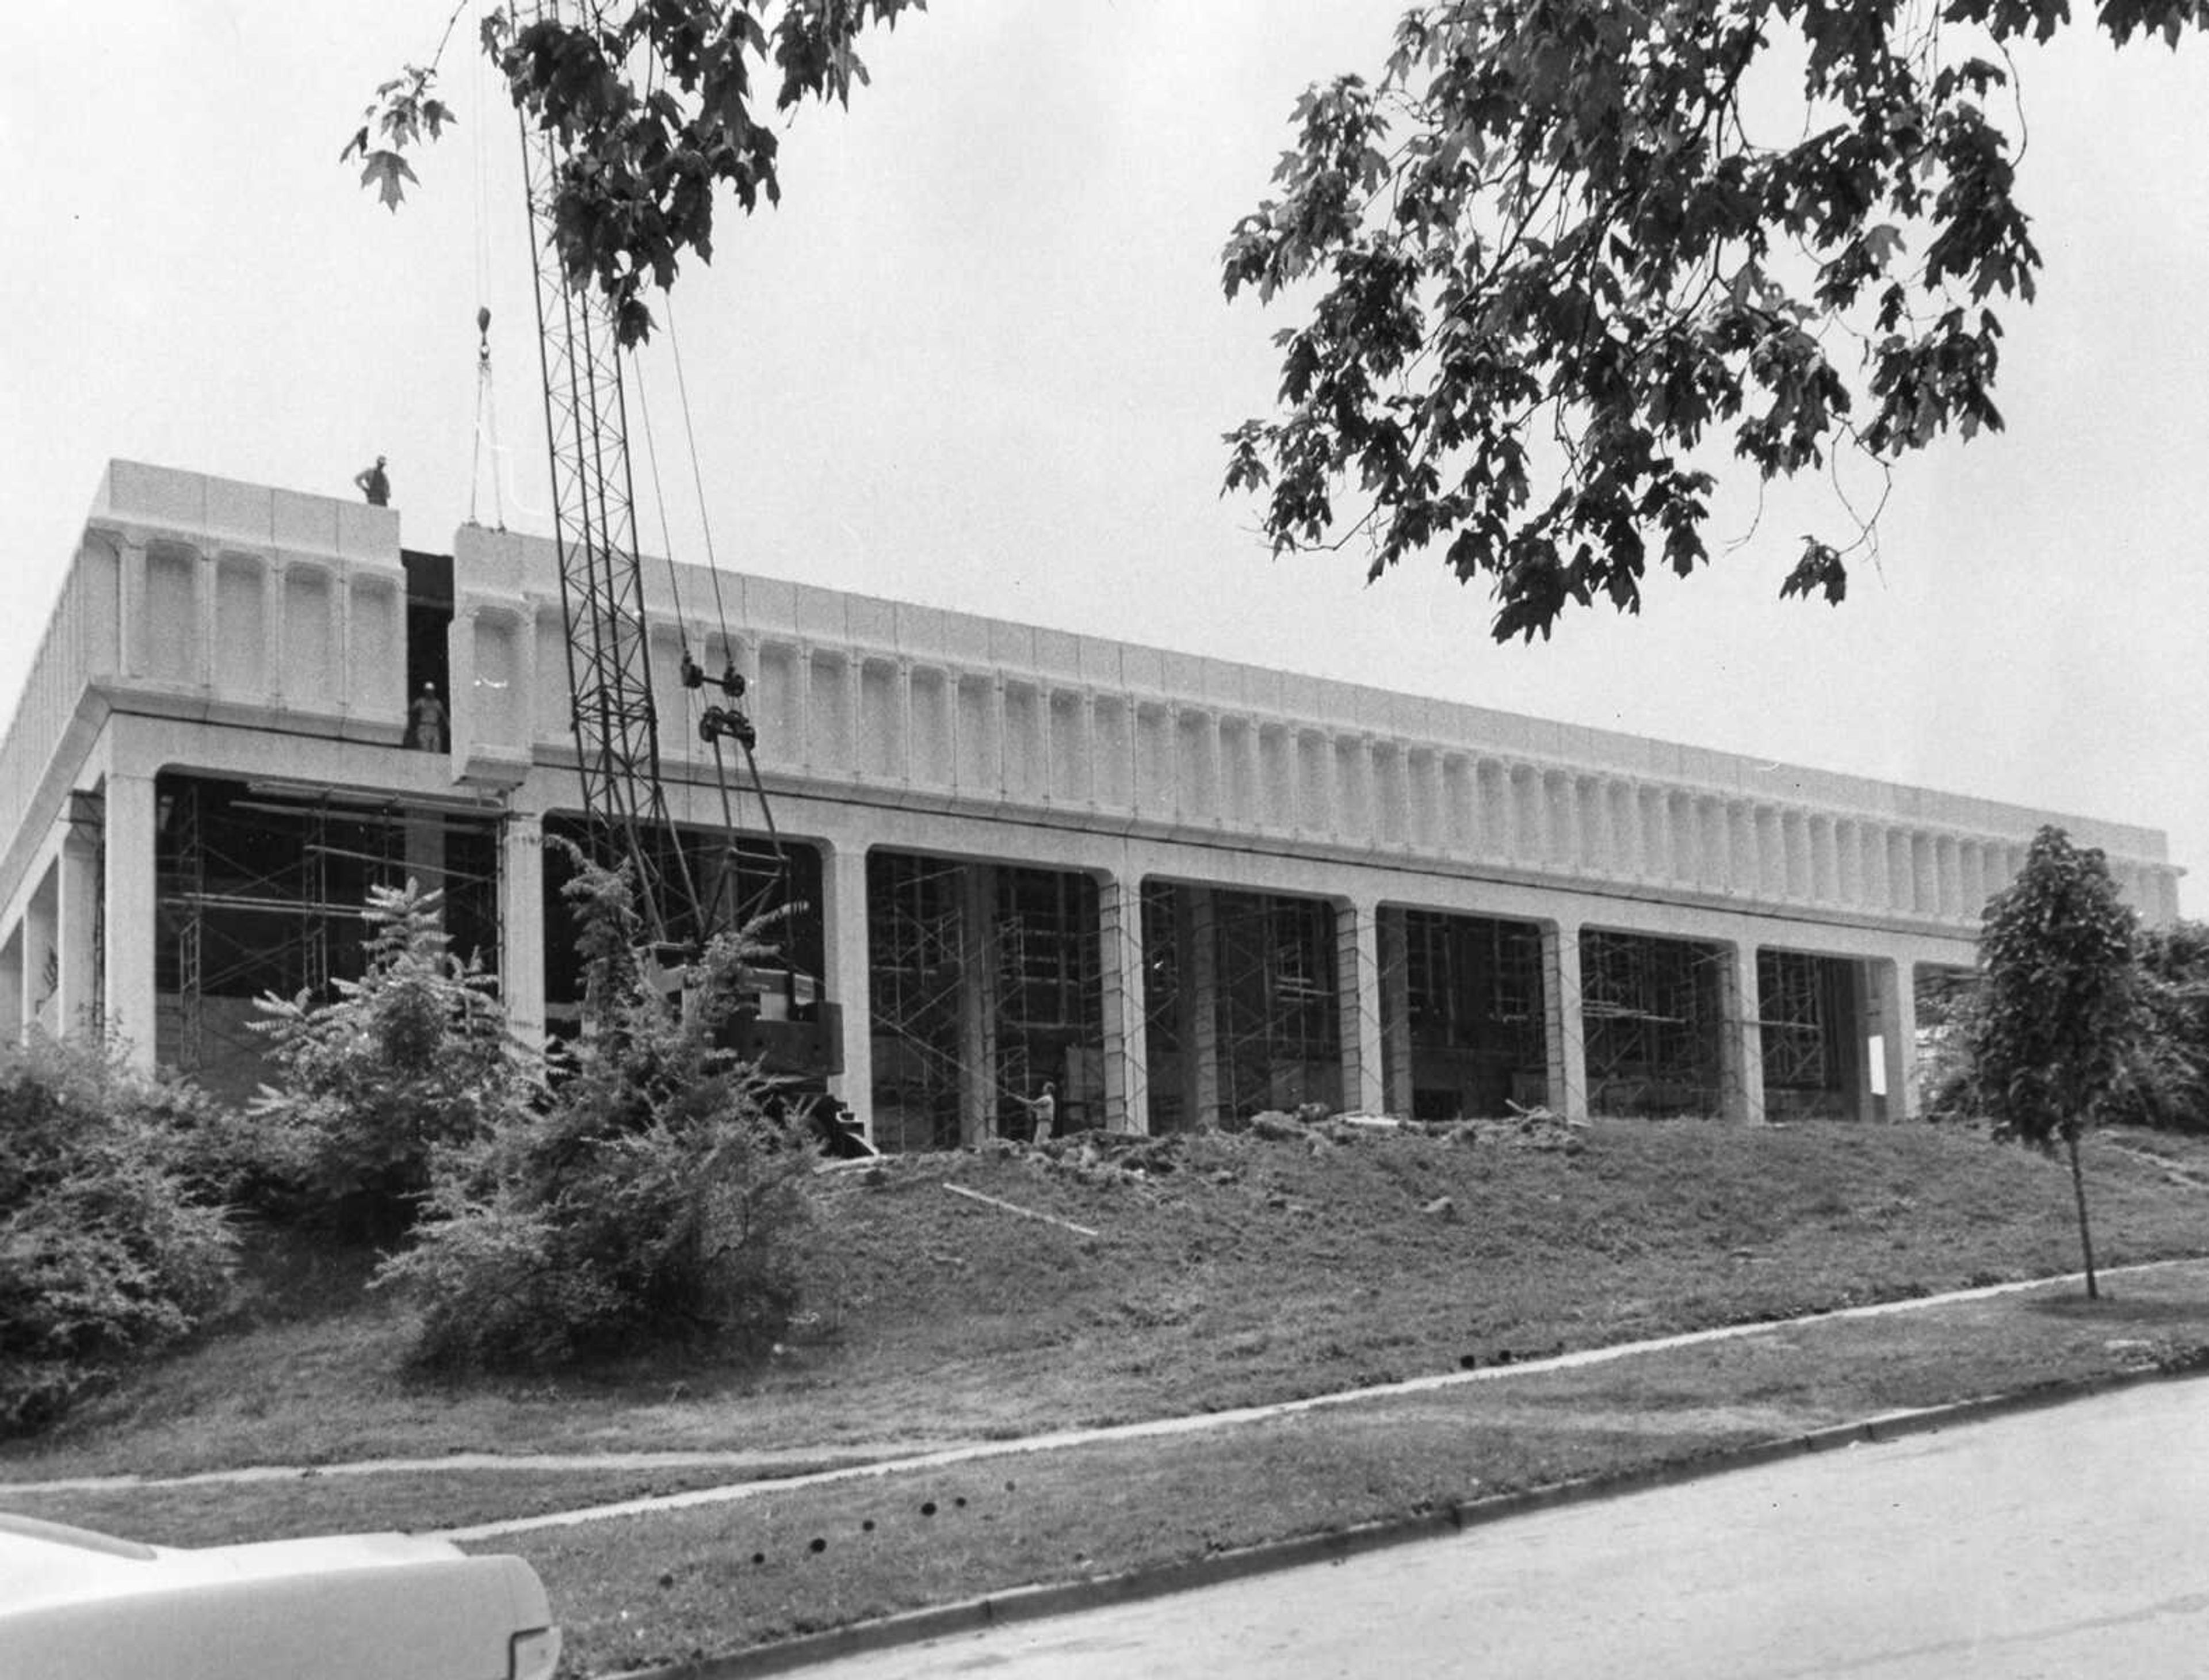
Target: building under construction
990, 857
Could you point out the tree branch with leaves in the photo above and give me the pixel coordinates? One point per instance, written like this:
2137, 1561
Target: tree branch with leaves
1550, 218
655, 106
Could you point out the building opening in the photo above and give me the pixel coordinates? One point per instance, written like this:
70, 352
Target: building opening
1462, 1030
1654, 1020
986, 984
428, 624
784, 1018
261, 887
1243, 1008
1816, 1062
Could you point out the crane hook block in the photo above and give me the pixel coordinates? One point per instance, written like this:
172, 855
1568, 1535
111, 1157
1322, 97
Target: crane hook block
716, 721
730, 682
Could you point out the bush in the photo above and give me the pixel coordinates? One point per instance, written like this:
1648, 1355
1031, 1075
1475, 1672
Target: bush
110, 1243
413, 1056
2167, 1077
658, 1197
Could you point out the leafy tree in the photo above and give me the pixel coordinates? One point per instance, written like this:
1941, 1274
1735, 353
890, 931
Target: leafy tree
2057, 1015
414, 1054
1555, 260
660, 1196
657, 105
109, 1249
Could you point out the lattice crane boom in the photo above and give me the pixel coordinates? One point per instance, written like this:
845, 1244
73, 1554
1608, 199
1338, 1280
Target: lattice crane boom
616, 720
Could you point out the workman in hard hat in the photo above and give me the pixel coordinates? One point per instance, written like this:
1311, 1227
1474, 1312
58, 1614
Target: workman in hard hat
425, 721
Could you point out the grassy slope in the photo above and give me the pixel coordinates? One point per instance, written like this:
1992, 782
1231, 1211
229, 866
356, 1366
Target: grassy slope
1249, 1271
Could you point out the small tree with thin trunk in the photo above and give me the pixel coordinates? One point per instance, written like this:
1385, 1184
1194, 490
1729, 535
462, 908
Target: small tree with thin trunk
2058, 1011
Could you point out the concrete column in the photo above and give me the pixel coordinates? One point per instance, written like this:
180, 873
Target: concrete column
1358, 988
1565, 1033
1390, 947
130, 929
1288, 768
1626, 831
1656, 834
276, 590
1085, 777
522, 926
1825, 860
844, 942
11, 989
1948, 863
131, 647
1894, 1017
900, 754
205, 577
1801, 863
1741, 1051
1863, 1023
41, 957
1901, 873
78, 1006
978, 1002
1561, 797
1127, 1050
1197, 937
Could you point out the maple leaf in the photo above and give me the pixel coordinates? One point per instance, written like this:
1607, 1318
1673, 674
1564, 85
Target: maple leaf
385, 171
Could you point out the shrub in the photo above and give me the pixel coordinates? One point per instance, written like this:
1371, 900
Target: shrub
659, 1195
110, 1244
413, 1056
2167, 1077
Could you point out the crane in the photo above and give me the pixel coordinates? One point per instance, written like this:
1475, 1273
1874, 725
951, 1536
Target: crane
618, 728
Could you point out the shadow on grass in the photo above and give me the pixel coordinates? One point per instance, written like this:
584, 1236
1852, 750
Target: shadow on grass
2115, 1309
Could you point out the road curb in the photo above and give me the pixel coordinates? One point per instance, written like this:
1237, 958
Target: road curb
1029, 1604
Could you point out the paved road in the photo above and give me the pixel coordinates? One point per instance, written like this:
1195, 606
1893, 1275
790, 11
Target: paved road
2070, 1542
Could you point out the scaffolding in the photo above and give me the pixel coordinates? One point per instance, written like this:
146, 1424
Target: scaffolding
1465, 1029
1243, 1003
261, 887
985, 982
1654, 1020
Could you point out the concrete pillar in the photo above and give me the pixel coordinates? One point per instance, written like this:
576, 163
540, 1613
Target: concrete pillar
978, 1003
521, 925
131, 649
1391, 948
130, 929
1127, 1050
1358, 988
41, 958
844, 938
1825, 860
1863, 1023
1197, 937
11, 989
1895, 1015
78, 1009
1565, 1034
1740, 1049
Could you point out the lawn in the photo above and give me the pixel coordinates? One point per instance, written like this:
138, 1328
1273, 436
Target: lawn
1231, 1271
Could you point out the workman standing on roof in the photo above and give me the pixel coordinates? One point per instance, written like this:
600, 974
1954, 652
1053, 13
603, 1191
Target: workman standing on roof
372, 482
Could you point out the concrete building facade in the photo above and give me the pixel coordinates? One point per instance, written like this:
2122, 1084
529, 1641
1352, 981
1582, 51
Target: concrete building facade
1173, 887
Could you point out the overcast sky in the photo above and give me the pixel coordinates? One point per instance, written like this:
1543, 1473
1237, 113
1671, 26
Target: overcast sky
980, 359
